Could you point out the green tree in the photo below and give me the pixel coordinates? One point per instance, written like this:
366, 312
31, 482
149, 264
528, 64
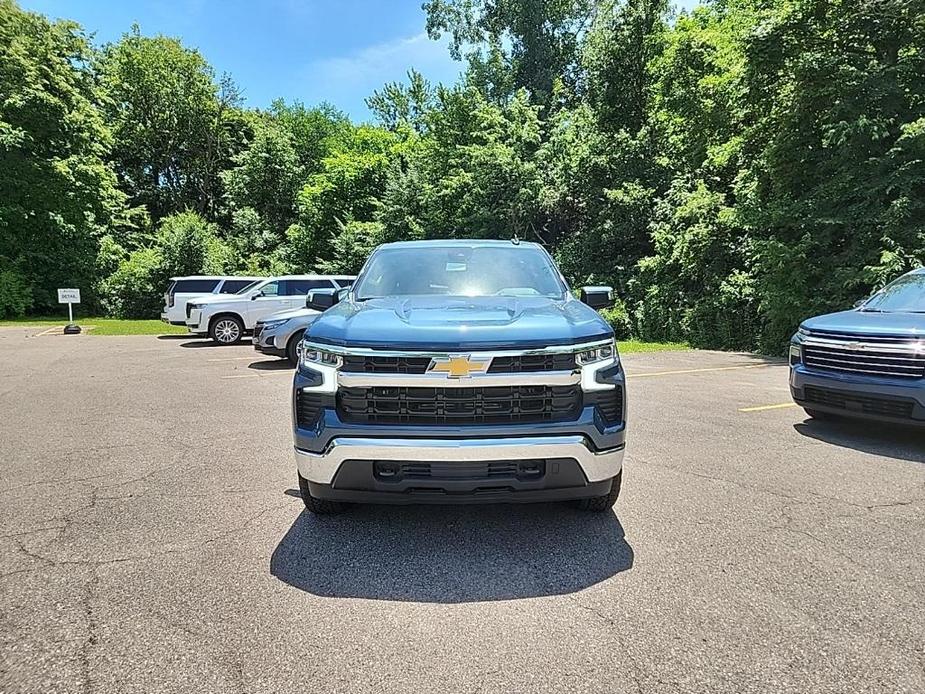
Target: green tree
176, 127
57, 194
397, 104
536, 40
836, 178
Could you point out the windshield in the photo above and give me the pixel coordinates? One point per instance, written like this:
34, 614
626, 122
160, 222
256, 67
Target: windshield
907, 294
456, 271
245, 289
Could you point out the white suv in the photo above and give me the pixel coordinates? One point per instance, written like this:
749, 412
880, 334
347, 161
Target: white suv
182, 289
226, 318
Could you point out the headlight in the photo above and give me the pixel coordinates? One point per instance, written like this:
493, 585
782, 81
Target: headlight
270, 324
312, 355
195, 307
592, 356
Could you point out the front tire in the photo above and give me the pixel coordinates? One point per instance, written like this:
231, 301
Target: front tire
320, 507
226, 330
292, 349
599, 504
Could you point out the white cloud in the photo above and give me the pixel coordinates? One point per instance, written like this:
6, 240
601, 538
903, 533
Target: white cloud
346, 81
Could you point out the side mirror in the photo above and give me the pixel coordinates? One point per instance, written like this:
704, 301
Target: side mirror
321, 299
597, 297
859, 303
256, 295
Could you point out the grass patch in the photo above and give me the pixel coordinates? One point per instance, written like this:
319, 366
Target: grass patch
102, 326
631, 346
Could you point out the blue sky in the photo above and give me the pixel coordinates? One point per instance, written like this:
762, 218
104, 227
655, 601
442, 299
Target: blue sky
307, 50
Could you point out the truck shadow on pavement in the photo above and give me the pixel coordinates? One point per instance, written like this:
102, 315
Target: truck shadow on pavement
451, 554
868, 437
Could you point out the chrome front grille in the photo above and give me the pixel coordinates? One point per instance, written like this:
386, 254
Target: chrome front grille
889, 356
500, 364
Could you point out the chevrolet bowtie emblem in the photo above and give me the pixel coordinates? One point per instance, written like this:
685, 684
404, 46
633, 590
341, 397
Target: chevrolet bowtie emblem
460, 366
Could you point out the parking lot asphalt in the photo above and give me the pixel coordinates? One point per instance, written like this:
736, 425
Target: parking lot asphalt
153, 541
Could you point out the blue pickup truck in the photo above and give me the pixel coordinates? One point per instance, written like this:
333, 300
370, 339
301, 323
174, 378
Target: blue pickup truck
459, 372
868, 362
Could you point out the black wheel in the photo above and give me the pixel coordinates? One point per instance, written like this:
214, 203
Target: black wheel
603, 503
292, 349
226, 330
321, 507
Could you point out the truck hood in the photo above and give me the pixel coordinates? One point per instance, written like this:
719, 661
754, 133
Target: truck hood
870, 323
454, 323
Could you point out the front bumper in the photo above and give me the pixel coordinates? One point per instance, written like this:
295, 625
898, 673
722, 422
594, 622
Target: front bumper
899, 401
193, 323
597, 466
266, 341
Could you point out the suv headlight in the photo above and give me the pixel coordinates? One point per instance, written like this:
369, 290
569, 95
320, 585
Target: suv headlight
270, 324
311, 355
592, 356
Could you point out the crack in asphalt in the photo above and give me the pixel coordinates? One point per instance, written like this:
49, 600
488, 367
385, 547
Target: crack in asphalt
771, 492
637, 673
50, 561
83, 655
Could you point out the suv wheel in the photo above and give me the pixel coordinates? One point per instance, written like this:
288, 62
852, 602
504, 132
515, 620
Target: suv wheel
320, 507
605, 502
292, 349
226, 330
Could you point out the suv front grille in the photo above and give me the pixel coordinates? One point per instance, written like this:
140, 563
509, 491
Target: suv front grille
525, 363
858, 402
385, 365
458, 406
864, 354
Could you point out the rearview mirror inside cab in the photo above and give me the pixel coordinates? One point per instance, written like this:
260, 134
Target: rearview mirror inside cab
597, 297
321, 299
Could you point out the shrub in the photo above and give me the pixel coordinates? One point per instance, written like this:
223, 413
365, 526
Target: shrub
135, 289
619, 319
15, 293
183, 240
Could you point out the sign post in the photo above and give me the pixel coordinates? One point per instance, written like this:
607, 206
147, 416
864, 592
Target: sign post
70, 297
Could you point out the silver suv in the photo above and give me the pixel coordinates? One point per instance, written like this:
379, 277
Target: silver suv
279, 334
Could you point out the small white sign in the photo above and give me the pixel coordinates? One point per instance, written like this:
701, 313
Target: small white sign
68, 296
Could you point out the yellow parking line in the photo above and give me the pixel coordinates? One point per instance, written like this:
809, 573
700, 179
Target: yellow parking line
697, 371
761, 408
